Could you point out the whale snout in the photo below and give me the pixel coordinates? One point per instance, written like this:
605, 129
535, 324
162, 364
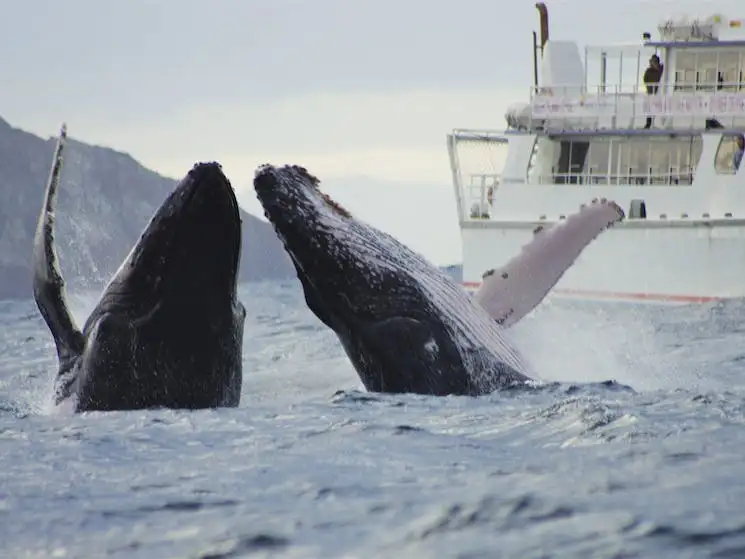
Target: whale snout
193, 241
291, 196
285, 193
207, 189
286, 183
216, 218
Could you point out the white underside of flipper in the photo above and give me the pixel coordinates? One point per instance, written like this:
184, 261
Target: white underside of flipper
511, 292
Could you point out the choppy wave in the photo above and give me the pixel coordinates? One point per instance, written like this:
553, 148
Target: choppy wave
310, 465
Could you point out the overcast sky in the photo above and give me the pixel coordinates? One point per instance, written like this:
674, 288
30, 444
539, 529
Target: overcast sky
345, 87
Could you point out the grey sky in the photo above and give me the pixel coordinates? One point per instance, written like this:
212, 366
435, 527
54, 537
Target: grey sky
345, 87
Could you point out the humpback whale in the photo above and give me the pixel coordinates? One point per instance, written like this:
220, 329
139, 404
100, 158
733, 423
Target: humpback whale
405, 325
168, 328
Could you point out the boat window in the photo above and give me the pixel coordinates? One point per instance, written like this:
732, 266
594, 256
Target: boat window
729, 67
625, 160
706, 70
597, 158
709, 70
631, 161
570, 162
723, 162
685, 71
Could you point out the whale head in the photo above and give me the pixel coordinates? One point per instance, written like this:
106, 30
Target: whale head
405, 325
190, 250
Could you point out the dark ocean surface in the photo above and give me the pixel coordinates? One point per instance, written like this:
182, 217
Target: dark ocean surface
312, 466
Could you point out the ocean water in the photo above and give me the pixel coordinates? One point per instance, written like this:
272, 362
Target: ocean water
312, 466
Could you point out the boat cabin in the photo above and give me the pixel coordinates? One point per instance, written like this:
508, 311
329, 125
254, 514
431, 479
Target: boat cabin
593, 121
619, 131
702, 82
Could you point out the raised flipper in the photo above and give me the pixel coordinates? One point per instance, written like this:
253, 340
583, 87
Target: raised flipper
508, 294
49, 287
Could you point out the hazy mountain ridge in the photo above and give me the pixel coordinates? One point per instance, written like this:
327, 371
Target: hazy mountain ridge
105, 200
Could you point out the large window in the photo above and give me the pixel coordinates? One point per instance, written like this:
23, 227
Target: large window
685, 71
625, 160
709, 69
724, 160
657, 160
708, 73
730, 64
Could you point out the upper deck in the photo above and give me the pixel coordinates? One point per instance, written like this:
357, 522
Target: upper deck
527, 178
702, 83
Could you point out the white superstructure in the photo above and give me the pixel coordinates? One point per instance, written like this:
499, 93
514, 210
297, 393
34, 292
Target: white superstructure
582, 135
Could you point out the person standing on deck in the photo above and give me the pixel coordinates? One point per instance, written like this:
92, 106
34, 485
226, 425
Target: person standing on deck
652, 77
737, 156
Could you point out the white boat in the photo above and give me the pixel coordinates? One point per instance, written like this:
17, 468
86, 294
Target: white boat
683, 239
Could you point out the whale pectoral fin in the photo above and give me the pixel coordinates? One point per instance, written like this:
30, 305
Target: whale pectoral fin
417, 359
48, 285
510, 293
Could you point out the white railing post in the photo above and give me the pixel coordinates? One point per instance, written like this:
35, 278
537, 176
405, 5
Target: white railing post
455, 170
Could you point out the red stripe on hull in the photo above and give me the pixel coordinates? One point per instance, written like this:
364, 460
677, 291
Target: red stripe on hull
619, 295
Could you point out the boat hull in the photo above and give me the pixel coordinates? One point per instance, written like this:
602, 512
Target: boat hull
653, 261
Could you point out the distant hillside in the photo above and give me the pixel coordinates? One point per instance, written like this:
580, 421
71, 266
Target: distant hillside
105, 200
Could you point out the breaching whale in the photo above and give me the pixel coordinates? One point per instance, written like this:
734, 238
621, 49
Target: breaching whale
405, 325
168, 328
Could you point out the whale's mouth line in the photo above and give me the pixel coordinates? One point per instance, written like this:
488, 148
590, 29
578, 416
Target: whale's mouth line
235, 215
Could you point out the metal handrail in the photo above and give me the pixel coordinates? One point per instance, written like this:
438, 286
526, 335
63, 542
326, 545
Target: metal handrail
614, 90
674, 177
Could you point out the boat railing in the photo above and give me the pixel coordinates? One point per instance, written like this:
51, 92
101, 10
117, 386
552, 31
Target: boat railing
634, 176
479, 194
481, 189
476, 161
632, 89
580, 90
580, 102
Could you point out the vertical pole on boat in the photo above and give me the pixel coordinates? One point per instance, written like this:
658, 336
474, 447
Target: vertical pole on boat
637, 84
482, 197
620, 72
649, 161
603, 71
543, 16
535, 62
455, 170
543, 13
587, 85
570, 167
610, 161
